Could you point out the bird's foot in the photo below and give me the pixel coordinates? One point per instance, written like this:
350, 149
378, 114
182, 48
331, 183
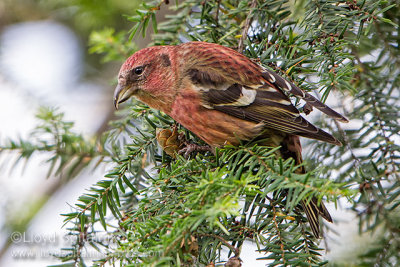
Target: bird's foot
190, 148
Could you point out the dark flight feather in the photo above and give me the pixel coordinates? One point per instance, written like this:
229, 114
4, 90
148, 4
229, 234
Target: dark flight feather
281, 83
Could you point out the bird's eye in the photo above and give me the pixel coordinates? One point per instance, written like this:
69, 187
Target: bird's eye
138, 70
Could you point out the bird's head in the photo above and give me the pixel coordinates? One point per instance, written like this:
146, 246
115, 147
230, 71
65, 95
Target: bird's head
147, 75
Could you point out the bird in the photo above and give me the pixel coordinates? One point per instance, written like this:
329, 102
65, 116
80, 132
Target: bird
224, 97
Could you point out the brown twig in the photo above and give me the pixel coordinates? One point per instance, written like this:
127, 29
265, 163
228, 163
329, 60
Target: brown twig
217, 13
246, 26
277, 229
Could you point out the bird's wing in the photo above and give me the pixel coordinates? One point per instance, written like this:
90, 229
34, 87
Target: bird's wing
262, 103
213, 64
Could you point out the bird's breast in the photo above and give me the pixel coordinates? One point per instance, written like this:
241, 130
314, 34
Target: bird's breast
214, 127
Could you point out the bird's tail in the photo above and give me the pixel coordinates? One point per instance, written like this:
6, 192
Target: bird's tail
291, 147
313, 210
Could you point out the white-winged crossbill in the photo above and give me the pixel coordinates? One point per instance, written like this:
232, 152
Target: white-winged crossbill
224, 97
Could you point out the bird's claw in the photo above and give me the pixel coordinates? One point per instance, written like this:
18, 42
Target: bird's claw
190, 148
